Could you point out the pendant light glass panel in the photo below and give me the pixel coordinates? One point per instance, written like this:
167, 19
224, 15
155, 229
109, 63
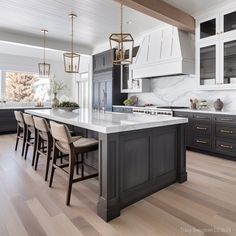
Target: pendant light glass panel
71, 62
123, 44
44, 68
72, 59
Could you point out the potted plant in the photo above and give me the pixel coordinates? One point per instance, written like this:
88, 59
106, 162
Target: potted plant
56, 87
68, 106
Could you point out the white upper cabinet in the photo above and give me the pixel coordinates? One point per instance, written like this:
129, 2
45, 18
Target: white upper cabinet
216, 50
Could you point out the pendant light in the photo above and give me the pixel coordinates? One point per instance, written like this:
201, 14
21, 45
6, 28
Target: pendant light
123, 44
44, 68
72, 59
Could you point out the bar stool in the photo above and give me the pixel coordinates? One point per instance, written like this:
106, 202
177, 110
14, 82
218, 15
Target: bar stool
21, 130
73, 146
31, 136
43, 136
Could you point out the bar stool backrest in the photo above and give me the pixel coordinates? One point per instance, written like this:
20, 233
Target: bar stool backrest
19, 118
61, 134
28, 119
41, 124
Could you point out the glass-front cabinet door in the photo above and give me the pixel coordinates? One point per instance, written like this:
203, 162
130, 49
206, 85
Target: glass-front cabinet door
208, 59
208, 28
228, 21
228, 57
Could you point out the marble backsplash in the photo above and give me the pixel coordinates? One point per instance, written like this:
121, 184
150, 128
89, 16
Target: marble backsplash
178, 90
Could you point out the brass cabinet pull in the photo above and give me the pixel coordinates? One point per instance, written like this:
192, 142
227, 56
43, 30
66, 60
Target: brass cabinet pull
226, 119
201, 128
226, 146
226, 131
200, 141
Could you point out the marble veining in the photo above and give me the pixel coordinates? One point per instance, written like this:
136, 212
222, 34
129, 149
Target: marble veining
107, 122
178, 90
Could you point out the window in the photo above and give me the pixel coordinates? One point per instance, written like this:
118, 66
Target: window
83, 90
25, 87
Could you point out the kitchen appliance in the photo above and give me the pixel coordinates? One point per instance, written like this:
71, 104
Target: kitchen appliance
157, 110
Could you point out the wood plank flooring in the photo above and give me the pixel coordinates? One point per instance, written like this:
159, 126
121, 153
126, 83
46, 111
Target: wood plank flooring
204, 205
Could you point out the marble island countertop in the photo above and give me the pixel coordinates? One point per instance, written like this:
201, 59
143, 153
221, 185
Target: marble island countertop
107, 122
22, 107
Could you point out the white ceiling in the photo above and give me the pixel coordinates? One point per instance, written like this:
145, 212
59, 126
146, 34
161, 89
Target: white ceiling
97, 19
193, 7
29, 51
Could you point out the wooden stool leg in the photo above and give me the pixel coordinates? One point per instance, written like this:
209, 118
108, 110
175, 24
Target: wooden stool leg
39, 145
28, 135
35, 146
77, 164
24, 140
71, 175
17, 136
61, 158
54, 161
82, 166
49, 147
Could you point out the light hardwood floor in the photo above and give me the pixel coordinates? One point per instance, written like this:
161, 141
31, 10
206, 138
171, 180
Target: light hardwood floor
204, 205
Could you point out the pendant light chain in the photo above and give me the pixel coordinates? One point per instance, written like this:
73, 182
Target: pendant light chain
72, 33
71, 59
44, 45
44, 68
121, 43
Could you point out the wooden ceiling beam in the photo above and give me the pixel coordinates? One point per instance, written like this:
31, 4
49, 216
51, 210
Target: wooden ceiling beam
164, 12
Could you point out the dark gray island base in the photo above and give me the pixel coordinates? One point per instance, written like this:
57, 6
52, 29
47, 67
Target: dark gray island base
138, 154
135, 164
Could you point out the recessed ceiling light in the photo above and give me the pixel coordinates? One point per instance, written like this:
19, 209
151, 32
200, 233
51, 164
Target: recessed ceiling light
129, 22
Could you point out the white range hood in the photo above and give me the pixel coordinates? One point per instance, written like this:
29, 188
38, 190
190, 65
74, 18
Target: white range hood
164, 52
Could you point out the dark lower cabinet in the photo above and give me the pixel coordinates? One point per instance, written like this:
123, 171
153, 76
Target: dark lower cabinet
8, 121
213, 133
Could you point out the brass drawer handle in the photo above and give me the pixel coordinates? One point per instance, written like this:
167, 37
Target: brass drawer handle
226, 119
201, 128
200, 141
226, 131
226, 146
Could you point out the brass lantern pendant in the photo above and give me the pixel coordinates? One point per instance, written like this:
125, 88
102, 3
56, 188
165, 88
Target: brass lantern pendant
123, 44
44, 68
72, 59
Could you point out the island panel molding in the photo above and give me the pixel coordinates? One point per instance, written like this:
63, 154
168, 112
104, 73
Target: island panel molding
163, 12
135, 164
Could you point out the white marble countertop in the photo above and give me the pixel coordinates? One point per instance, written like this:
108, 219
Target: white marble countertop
208, 111
22, 107
107, 122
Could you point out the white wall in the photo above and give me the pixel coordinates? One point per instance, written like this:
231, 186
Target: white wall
29, 64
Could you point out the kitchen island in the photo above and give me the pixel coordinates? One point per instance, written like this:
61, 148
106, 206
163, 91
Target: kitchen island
138, 154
